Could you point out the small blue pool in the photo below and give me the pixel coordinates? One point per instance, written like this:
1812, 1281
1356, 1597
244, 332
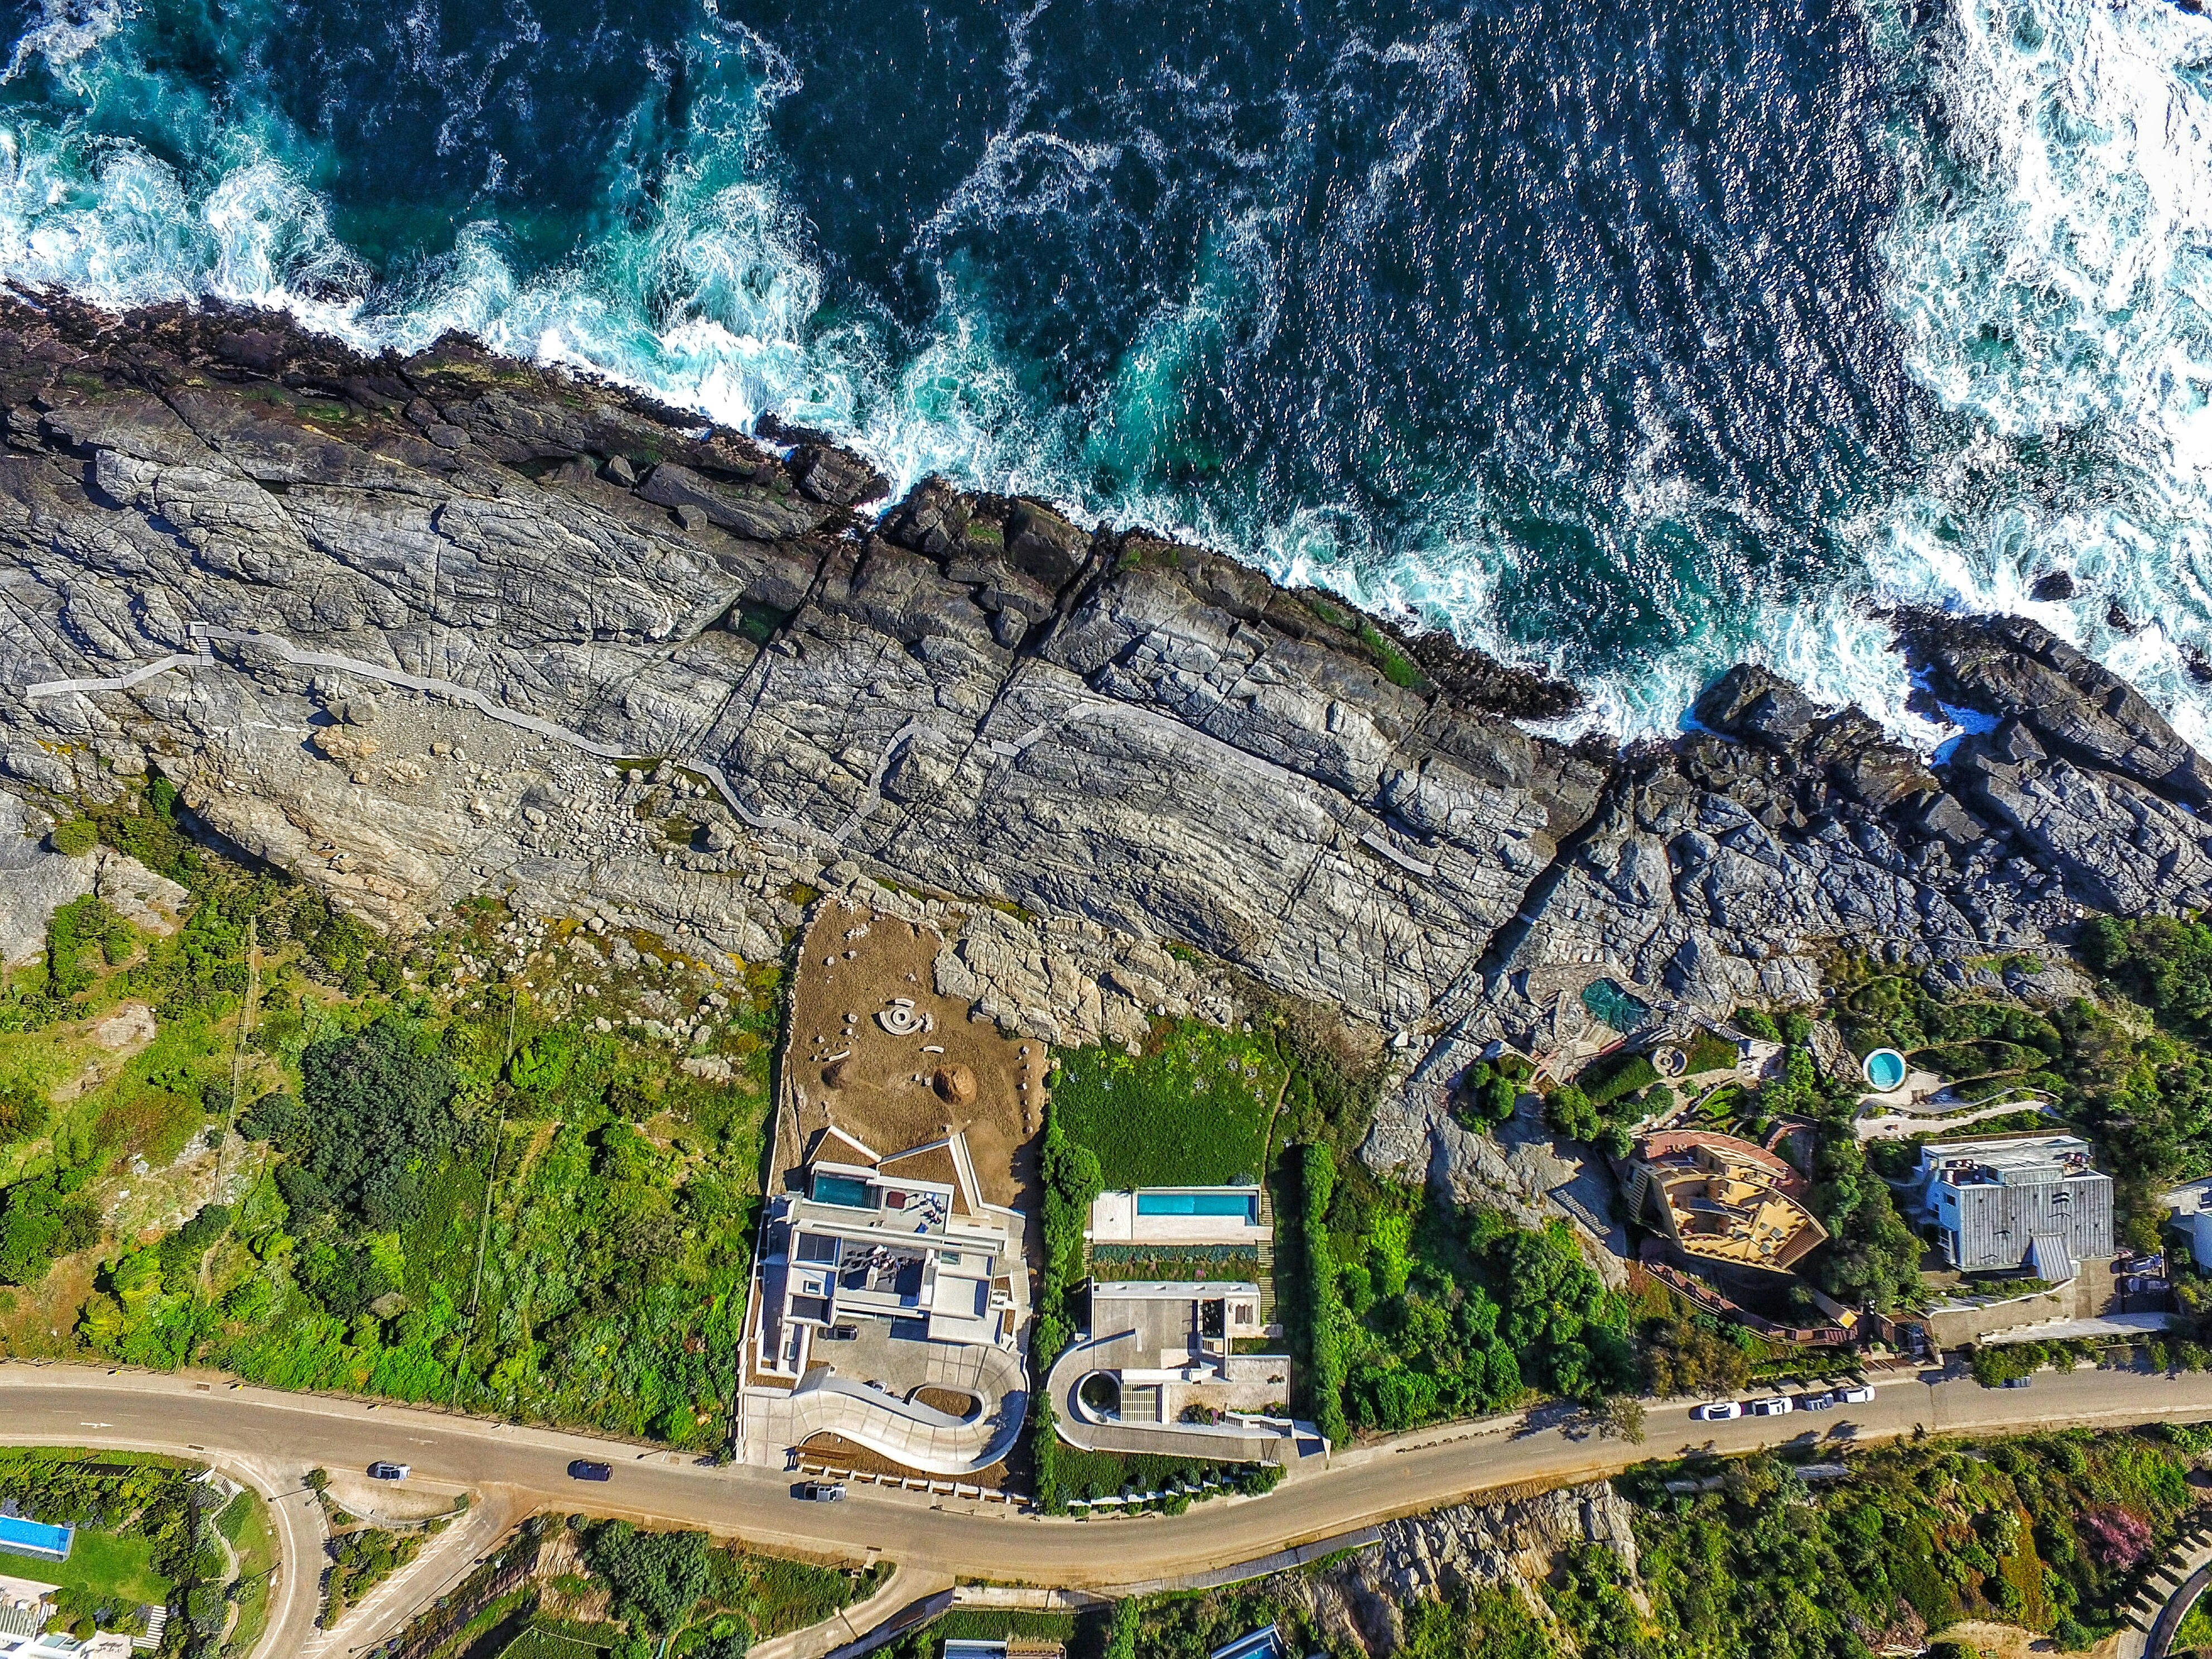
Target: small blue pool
29, 1538
1885, 1069
1246, 1205
1606, 1002
842, 1189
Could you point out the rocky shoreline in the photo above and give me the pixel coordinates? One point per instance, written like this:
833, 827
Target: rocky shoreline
683, 676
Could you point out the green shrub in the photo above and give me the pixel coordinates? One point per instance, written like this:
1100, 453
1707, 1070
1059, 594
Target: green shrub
1613, 1076
73, 839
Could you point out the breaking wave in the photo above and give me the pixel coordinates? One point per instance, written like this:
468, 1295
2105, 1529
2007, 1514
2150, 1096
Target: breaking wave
1621, 342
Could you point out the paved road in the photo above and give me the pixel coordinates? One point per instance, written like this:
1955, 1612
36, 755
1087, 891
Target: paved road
244, 1425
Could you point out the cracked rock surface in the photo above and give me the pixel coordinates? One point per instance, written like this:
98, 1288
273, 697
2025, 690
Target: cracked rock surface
455, 623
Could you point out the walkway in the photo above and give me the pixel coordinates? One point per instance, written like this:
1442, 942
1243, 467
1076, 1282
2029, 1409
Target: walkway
2157, 1612
907, 1431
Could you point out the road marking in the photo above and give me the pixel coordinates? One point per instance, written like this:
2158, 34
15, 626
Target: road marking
95, 1425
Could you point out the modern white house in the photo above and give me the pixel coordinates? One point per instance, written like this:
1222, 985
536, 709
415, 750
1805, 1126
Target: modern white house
887, 1277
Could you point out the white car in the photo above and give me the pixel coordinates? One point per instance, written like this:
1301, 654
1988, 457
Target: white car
1780, 1406
1718, 1411
1857, 1395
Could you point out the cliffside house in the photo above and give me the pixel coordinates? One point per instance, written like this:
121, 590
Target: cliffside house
905, 1239
1722, 1204
2031, 1201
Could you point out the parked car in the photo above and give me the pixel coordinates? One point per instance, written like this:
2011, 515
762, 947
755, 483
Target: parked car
1858, 1393
1718, 1411
1780, 1406
820, 1491
2018, 1381
381, 1470
1816, 1402
584, 1469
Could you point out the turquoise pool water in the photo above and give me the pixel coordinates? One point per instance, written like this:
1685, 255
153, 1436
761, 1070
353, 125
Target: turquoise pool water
33, 1538
841, 1189
1242, 1204
1885, 1069
1605, 1000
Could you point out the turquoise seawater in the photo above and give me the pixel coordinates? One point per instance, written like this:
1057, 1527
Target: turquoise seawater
1627, 339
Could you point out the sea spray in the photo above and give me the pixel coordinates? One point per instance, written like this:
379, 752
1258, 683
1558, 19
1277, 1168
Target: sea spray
1630, 344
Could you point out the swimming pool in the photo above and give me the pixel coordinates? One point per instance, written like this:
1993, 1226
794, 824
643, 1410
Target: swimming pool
1885, 1069
1212, 1204
30, 1538
841, 1189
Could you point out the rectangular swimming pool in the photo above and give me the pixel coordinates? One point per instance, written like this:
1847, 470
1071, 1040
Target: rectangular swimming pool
841, 1189
1243, 1204
29, 1538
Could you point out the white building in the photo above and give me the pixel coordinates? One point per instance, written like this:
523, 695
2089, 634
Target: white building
892, 1308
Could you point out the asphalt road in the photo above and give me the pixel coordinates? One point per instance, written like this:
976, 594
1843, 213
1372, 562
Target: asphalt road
280, 1436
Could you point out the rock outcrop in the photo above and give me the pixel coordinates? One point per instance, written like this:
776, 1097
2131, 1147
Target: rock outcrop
1515, 1544
416, 629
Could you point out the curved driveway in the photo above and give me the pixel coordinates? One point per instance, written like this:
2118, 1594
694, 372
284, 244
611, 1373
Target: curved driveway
240, 1424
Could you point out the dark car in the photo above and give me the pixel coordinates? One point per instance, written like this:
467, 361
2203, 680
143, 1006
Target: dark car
2018, 1381
819, 1491
381, 1470
584, 1469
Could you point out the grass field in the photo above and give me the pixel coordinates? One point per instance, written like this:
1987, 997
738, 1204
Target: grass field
1191, 1110
106, 1567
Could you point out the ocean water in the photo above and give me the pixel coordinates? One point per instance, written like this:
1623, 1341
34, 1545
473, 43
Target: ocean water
1627, 339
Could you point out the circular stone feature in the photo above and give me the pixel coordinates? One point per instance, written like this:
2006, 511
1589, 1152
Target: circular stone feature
1885, 1070
1099, 1394
955, 1084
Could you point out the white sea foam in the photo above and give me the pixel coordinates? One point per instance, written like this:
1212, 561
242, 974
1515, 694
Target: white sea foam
2052, 280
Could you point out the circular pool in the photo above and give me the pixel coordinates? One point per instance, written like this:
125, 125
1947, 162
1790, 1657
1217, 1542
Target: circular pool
1885, 1069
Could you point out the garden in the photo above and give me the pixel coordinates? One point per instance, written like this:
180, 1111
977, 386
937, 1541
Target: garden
148, 1533
1192, 1110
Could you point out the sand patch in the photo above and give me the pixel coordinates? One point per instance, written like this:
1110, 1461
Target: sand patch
870, 1039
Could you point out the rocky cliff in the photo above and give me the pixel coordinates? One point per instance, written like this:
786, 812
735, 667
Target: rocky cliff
415, 629
1515, 1545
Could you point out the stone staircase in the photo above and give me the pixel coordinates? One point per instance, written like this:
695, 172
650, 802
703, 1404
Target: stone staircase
157, 1620
2157, 1610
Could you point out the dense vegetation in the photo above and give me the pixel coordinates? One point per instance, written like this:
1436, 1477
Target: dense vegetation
708, 1601
463, 1179
1760, 1555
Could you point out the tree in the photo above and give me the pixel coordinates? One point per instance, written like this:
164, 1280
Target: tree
377, 1109
656, 1578
1121, 1640
1620, 1416
42, 1219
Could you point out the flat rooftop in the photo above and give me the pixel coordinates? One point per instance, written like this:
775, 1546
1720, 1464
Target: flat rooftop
2005, 1159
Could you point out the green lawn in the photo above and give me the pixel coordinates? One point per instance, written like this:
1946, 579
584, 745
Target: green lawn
106, 1567
1192, 1111
246, 1525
